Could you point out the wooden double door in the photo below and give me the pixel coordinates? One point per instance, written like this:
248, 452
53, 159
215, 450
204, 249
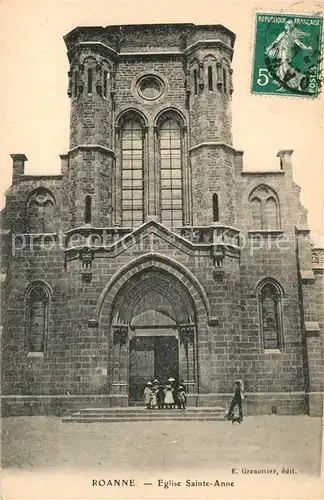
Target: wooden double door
151, 357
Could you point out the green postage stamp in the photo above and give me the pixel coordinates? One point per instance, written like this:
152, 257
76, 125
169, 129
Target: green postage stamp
287, 55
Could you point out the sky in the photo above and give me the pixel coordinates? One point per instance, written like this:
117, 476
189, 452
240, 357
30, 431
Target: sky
35, 106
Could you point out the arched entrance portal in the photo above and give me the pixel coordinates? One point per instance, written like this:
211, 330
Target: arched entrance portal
153, 334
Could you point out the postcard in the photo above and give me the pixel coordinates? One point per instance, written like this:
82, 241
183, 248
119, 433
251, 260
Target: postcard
162, 250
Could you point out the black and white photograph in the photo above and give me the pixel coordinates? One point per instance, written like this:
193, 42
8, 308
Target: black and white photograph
162, 250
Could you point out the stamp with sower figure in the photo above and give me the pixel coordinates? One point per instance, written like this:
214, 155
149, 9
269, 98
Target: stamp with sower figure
287, 55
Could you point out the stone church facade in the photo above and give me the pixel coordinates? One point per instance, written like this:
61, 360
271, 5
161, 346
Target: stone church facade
153, 253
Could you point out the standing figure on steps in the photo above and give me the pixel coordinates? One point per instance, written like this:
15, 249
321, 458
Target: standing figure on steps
168, 400
181, 397
160, 396
236, 401
148, 395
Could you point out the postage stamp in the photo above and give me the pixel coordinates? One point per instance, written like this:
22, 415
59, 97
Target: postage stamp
287, 55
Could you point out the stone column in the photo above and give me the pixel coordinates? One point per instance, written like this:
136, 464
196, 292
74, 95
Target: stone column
120, 347
187, 363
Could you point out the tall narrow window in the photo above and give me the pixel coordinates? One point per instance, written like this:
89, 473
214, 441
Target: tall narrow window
132, 174
89, 80
76, 83
256, 213
48, 217
271, 215
224, 81
37, 305
105, 83
40, 212
215, 208
87, 210
210, 78
171, 174
195, 77
270, 315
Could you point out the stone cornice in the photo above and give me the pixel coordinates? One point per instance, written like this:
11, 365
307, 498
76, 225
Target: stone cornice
100, 45
19, 157
211, 144
162, 53
55, 177
92, 147
116, 34
263, 172
201, 44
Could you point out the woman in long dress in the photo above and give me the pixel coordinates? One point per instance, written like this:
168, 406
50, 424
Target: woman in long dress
281, 53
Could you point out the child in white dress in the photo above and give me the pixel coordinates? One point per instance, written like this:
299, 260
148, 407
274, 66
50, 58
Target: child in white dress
169, 399
148, 395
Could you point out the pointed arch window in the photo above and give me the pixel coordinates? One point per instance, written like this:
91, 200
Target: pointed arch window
40, 212
264, 209
132, 173
171, 173
37, 319
270, 312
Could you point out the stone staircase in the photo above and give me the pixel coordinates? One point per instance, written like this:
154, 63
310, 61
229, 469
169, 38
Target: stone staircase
141, 414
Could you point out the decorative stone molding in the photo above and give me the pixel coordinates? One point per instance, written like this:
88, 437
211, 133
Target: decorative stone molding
317, 258
213, 321
218, 274
99, 86
186, 333
93, 323
218, 258
198, 235
86, 256
219, 79
312, 329
201, 82
120, 334
307, 276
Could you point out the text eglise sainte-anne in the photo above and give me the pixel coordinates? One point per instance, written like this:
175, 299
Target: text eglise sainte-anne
162, 483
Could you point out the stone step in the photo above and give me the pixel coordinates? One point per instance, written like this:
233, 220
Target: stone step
141, 418
140, 414
141, 409
157, 416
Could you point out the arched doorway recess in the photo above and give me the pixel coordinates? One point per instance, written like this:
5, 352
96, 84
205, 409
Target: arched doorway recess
152, 334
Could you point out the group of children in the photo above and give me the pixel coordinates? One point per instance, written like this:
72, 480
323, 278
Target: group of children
173, 395
170, 396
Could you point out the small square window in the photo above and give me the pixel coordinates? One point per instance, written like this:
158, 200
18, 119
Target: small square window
127, 215
176, 174
137, 174
176, 183
165, 183
165, 173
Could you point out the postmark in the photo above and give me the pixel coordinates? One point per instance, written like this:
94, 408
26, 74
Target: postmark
287, 55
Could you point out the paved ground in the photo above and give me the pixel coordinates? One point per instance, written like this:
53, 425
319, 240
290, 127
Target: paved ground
45, 443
